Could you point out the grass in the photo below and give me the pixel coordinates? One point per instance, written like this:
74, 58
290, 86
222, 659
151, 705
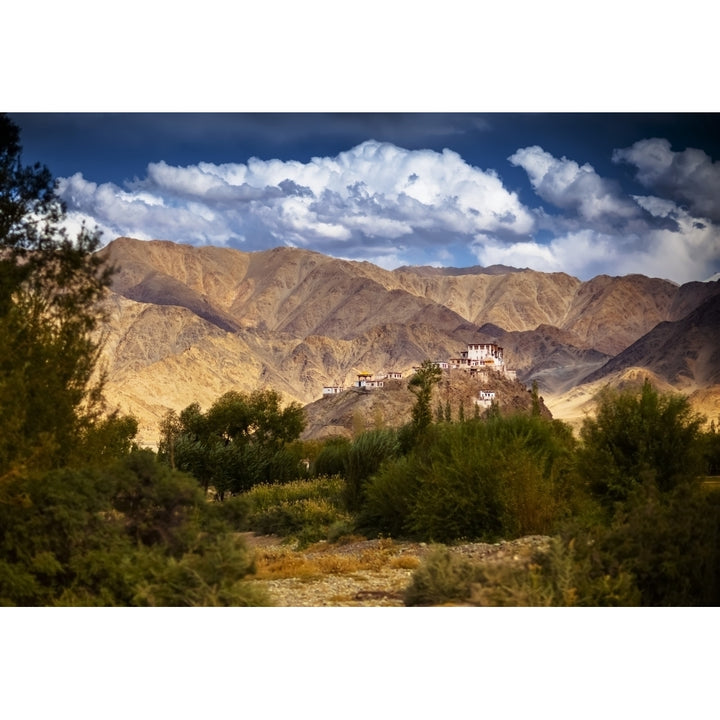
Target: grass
320, 559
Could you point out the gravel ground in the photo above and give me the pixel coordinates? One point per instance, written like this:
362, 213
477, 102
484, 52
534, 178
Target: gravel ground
363, 573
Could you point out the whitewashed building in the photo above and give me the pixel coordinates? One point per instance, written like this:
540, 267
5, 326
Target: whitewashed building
480, 355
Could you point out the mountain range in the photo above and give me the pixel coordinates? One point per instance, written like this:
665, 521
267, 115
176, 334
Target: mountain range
188, 323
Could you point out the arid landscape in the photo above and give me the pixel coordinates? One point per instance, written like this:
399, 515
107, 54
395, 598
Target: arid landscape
189, 323
288, 424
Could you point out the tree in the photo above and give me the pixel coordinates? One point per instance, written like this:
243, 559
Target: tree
640, 438
50, 286
421, 385
239, 442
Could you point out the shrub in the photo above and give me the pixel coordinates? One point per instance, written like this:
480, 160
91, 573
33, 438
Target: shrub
302, 509
212, 573
441, 578
638, 438
478, 480
555, 577
669, 542
390, 496
363, 458
135, 532
332, 458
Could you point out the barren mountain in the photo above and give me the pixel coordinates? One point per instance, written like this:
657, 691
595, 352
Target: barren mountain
189, 323
684, 353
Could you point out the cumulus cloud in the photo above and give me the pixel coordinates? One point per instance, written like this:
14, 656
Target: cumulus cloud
375, 194
690, 176
574, 187
391, 206
681, 254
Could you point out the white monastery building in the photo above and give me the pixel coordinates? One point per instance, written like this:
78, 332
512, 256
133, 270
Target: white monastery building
487, 355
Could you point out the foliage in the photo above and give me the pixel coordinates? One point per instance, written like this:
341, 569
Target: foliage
132, 533
242, 440
554, 577
211, 573
303, 509
421, 384
637, 439
87, 519
710, 443
331, 460
668, 542
50, 286
442, 578
364, 456
506, 476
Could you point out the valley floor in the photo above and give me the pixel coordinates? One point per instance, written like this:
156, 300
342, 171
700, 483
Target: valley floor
359, 573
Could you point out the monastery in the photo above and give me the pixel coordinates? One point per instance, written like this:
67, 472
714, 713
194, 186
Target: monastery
365, 380
477, 357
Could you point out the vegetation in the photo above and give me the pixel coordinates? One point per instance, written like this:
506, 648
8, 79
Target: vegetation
87, 517
49, 288
637, 439
553, 578
478, 479
304, 510
421, 385
90, 519
242, 440
630, 521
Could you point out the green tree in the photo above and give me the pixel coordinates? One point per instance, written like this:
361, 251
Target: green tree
503, 477
421, 384
50, 286
240, 441
638, 439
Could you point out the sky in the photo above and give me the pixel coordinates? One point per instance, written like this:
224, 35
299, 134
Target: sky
526, 134
582, 193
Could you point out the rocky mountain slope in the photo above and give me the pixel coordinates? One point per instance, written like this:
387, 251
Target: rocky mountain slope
189, 323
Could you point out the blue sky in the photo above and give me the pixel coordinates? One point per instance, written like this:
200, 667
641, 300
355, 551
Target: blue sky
583, 193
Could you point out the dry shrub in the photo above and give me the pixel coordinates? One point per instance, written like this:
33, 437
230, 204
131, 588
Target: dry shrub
404, 562
317, 560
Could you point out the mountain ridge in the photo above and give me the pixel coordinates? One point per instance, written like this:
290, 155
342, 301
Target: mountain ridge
188, 323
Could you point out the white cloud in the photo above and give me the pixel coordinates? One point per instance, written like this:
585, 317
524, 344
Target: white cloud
689, 176
570, 186
681, 255
391, 206
374, 191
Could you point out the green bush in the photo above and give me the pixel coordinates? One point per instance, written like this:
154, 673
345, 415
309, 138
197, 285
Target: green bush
303, 509
640, 438
210, 574
332, 458
390, 497
135, 532
668, 542
555, 577
442, 578
364, 457
503, 477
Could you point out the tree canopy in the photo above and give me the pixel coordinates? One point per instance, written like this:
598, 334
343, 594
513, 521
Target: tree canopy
239, 442
50, 285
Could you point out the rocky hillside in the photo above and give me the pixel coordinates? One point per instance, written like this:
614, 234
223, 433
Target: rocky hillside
189, 323
359, 409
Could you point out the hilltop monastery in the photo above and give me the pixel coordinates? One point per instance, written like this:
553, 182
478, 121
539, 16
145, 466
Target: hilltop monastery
478, 356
